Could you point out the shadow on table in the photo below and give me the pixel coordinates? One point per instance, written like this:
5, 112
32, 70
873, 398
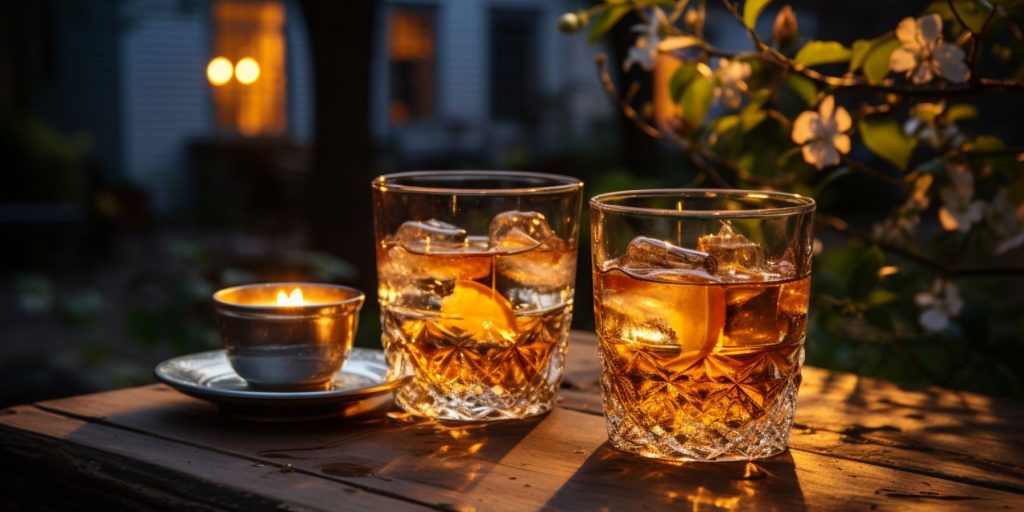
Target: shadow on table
640, 483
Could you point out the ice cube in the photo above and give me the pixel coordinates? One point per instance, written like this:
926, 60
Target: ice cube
735, 253
650, 257
540, 277
637, 311
518, 231
431, 236
752, 316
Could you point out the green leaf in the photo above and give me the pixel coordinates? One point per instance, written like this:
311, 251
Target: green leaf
865, 274
985, 143
752, 10
858, 52
605, 20
726, 123
696, 99
804, 88
879, 297
876, 61
885, 138
960, 111
752, 114
680, 79
822, 52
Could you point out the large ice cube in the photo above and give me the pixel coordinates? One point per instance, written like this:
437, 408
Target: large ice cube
638, 311
431, 236
421, 263
518, 231
735, 253
653, 258
535, 268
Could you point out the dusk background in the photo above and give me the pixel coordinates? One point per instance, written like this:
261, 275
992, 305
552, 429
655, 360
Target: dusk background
156, 151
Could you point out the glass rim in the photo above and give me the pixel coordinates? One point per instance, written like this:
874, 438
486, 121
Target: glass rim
799, 204
558, 182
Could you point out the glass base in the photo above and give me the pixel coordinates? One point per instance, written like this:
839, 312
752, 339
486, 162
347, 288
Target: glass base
474, 405
703, 437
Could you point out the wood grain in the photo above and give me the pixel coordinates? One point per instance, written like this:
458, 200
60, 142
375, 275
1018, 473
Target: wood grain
858, 444
555, 460
54, 460
936, 432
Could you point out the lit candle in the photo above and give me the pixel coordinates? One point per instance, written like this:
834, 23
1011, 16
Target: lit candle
288, 340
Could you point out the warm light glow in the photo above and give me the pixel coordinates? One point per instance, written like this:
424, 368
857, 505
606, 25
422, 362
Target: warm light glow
219, 71
247, 70
295, 299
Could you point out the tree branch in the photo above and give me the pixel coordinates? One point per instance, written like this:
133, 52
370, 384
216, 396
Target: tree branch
609, 88
842, 227
851, 82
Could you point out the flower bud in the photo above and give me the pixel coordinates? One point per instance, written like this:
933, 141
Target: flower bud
785, 30
692, 21
573, 21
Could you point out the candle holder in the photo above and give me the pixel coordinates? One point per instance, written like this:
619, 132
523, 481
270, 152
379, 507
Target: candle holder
288, 336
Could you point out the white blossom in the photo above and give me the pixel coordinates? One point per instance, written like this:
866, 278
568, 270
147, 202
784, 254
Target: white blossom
959, 212
940, 303
823, 133
923, 55
645, 49
731, 81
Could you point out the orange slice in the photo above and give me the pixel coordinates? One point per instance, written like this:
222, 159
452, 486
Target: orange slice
475, 308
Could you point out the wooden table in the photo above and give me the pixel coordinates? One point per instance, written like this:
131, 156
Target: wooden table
857, 444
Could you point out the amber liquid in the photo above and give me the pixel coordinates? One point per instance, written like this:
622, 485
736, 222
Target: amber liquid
706, 369
484, 331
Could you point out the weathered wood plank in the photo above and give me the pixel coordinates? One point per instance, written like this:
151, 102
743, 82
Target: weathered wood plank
560, 461
54, 460
962, 436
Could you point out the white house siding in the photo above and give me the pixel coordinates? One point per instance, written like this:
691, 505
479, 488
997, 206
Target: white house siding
165, 97
566, 71
299, 66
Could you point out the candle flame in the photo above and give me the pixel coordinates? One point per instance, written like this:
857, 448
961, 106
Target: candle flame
295, 299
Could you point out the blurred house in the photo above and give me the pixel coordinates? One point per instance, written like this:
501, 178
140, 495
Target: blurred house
163, 88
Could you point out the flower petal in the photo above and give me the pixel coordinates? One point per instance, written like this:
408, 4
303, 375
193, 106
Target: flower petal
802, 131
842, 143
907, 31
950, 58
843, 120
948, 220
922, 74
821, 154
827, 107
902, 60
934, 320
930, 27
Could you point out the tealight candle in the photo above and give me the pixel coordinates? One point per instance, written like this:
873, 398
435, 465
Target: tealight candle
288, 336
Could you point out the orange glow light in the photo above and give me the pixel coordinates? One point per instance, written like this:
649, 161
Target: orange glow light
247, 70
295, 299
219, 71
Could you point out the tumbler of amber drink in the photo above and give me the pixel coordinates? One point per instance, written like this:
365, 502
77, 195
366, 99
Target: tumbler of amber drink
701, 300
476, 275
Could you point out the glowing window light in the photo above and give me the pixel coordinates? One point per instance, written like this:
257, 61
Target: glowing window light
219, 71
247, 70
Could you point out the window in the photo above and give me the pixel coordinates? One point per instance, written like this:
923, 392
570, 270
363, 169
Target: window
247, 69
513, 64
411, 52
